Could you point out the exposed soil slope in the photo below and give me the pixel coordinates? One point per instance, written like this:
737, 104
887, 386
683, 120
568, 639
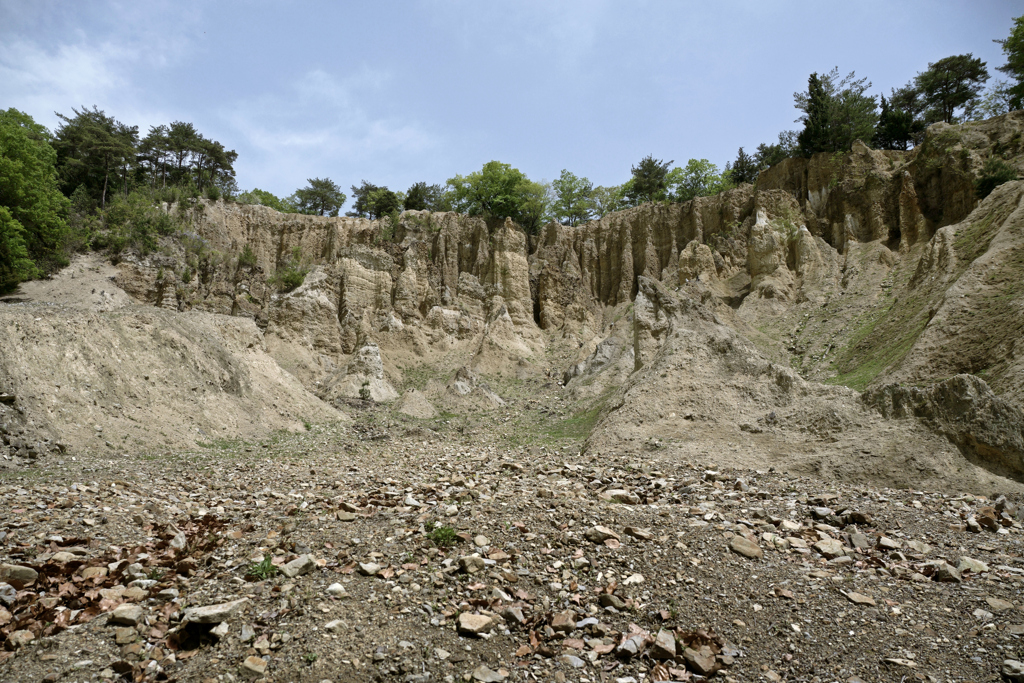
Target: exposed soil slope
93, 371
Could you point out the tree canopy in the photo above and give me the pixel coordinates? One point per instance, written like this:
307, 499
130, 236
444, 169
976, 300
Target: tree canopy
500, 191
897, 128
744, 169
699, 178
32, 208
322, 197
264, 198
606, 200
1013, 48
97, 152
383, 202
835, 113
361, 198
91, 147
573, 203
950, 84
650, 182
767, 155
423, 197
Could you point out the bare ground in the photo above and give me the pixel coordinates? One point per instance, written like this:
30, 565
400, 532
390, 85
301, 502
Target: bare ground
369, 493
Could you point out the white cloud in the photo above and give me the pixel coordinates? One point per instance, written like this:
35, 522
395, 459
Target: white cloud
43, 81
323, 126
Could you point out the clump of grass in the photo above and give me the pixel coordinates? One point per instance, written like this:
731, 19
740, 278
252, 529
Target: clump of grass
260, 571
441, 536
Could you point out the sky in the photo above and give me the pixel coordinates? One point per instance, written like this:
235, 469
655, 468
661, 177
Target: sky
401, 92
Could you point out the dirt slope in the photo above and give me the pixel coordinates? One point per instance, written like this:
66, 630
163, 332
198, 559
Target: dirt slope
95, 372
702, 389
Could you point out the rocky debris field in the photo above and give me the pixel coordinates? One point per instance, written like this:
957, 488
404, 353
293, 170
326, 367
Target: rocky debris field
417, 551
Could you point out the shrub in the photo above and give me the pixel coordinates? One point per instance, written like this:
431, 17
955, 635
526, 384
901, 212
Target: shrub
290, 277
213, 193
247, 258
994, 173
134, 222
291, 274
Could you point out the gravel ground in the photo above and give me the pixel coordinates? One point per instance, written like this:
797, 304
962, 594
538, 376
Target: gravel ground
488, 549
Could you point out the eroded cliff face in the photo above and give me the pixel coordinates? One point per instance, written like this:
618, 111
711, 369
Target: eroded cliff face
820, 233
857, 269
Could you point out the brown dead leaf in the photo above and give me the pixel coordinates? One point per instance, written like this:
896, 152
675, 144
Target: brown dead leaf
660, 673
87, 615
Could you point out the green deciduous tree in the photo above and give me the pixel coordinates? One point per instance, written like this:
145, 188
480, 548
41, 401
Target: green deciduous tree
500, 191
699, 178
322, 197
995, 101
606, 200
535, 210
15, 265
573, 203
835, 113
32, 208
649, 181
1013, 48
951, 84
264, 198
382, 202
360, 199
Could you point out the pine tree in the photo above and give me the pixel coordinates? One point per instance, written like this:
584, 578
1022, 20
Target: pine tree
744, 169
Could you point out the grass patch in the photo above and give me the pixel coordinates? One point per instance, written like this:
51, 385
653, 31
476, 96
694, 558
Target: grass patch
260, 571
418, 377
579, 426
878, 359
884, 338
442, 536
220, 444
972, 241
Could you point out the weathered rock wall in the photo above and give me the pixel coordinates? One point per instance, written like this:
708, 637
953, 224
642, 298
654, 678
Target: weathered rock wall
988, 430
812, 231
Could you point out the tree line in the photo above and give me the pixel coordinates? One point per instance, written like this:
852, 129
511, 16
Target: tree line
96, 183
835, 111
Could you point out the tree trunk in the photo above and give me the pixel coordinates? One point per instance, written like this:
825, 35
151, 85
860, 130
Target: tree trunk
106, 175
